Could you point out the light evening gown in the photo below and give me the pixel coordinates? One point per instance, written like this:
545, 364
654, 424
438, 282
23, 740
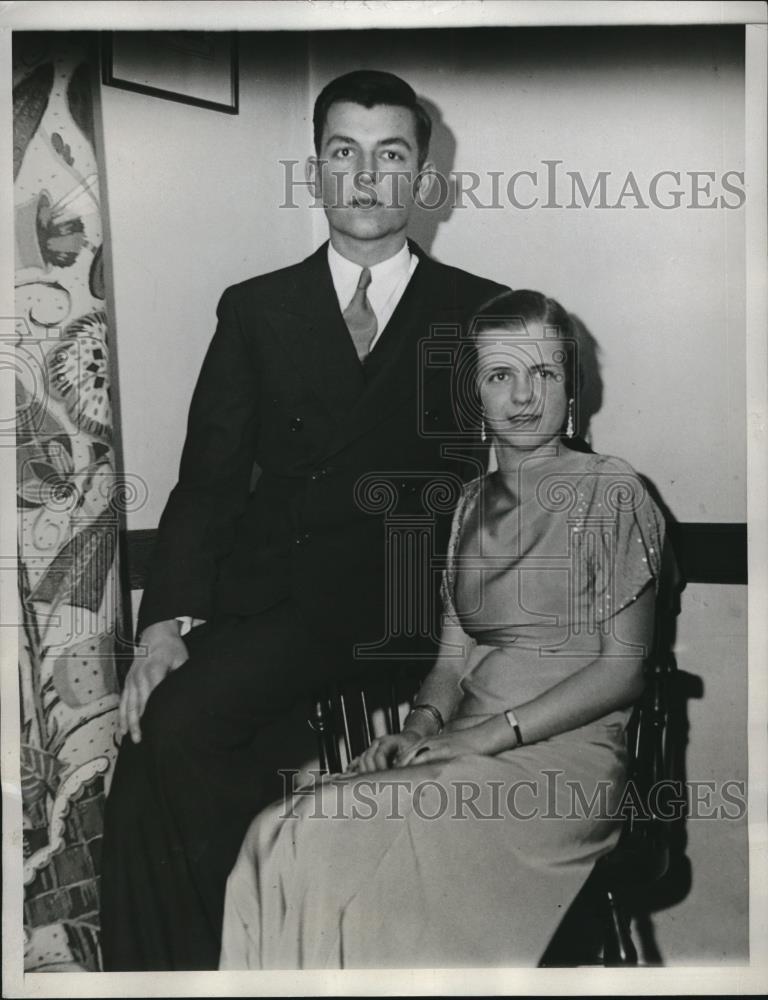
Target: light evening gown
536, 569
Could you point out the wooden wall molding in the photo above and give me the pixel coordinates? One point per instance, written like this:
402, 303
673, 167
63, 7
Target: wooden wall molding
707, 552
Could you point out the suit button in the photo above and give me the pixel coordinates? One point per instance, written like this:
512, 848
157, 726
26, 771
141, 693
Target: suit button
296, 424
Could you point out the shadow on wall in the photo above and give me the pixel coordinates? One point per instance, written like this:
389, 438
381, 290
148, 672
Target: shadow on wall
675, 884
590, 398
440, 199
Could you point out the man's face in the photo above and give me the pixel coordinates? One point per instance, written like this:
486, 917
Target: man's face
366, 169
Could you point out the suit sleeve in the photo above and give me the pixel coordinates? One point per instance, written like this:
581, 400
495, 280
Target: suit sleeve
197, 526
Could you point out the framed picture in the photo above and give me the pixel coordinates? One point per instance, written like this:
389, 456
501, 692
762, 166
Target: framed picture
194, 67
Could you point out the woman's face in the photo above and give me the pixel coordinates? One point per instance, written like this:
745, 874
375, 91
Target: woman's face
521, 380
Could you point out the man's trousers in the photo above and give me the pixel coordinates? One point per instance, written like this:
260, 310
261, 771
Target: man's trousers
181, 799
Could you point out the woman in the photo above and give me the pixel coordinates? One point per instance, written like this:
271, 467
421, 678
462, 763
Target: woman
463, 840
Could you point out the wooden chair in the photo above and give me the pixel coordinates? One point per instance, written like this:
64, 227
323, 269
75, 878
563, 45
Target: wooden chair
596, 928
348, 715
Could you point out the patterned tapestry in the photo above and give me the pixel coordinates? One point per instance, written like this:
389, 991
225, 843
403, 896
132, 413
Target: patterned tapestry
68, 500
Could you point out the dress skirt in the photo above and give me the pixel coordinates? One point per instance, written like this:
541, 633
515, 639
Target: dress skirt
468, 862
481, 856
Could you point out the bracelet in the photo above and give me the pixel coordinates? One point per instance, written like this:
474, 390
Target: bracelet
511, 718
432, 711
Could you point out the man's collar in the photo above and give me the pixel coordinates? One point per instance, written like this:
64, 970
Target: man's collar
345, 270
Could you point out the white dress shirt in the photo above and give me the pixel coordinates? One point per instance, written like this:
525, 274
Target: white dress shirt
389, 279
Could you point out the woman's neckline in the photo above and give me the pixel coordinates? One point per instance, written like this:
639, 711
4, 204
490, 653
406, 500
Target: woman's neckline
540, 460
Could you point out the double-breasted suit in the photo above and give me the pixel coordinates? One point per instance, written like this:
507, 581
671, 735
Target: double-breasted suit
282, 387
289, 572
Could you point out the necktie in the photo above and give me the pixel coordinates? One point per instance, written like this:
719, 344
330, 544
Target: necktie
360, 317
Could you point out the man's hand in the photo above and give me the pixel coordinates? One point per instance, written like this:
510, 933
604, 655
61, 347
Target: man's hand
165, 652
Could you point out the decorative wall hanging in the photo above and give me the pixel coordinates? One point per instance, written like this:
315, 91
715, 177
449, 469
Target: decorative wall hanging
68, 501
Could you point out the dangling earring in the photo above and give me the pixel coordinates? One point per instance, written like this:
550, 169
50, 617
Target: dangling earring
569, 427
483, 435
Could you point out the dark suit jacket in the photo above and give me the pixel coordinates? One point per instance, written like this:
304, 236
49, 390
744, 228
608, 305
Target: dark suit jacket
281, 387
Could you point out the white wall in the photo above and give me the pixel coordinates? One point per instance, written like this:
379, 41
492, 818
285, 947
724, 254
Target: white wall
710, 923
662, 292
193, 198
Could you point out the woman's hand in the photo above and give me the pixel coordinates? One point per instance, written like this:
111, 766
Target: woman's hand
472, 740
382, 753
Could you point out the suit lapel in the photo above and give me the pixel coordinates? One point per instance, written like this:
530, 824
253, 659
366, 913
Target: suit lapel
397, 372
313, 330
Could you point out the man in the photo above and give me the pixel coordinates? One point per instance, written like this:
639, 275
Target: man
313, 375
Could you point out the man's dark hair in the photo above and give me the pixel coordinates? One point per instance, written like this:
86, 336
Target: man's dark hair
370, 87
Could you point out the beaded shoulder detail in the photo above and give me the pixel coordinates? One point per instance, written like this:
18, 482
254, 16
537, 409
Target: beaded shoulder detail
618, 529
614, 525
466, 502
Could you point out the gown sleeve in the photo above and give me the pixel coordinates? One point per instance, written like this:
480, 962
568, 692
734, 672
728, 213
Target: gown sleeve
621, 540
